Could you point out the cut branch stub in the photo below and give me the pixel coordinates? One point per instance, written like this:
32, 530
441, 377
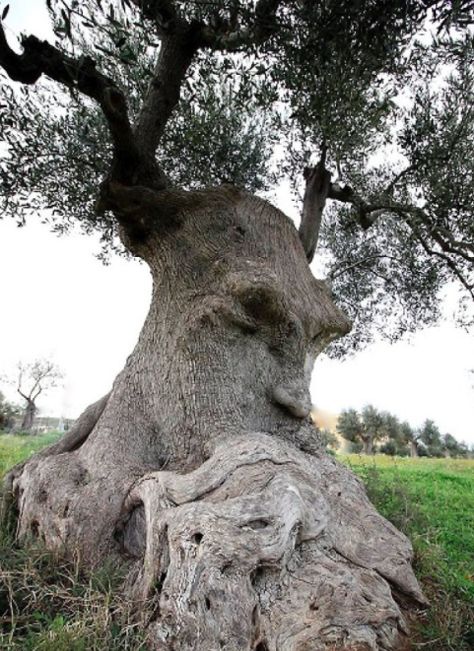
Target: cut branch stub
263, 544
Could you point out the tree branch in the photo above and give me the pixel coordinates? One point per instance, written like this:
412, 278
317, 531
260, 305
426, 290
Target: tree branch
367, 214
391, 186
162, 12
359, 263
231, 39
180, 40
22, 394
41, 58
175, 56
449, 261
318, 181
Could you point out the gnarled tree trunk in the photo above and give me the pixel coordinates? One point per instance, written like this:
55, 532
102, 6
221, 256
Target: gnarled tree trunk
201, 469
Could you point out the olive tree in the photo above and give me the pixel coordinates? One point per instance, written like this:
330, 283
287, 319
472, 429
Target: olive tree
366, 427
33, 379
155, 122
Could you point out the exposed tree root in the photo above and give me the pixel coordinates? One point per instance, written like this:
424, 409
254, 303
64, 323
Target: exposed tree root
71, 440
265, 547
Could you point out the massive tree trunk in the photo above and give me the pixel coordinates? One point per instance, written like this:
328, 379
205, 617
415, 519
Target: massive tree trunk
201, 470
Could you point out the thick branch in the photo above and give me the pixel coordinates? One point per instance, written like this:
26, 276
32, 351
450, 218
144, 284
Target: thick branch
366, 214
180, 40
174, 59
40, 58
318, 181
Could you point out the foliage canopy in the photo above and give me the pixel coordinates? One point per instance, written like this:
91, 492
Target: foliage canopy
381, 93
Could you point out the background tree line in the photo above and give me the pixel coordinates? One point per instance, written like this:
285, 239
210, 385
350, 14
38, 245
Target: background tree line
372, 431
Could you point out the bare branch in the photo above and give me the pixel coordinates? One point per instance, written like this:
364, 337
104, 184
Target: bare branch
41, 58
22, 394
359, 263
391, 186
20, 380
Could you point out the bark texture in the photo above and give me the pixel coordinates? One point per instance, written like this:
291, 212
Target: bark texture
28, 416
201, 469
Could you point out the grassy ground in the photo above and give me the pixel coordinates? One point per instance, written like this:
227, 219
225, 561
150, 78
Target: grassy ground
47, 604
14, 448
432, 501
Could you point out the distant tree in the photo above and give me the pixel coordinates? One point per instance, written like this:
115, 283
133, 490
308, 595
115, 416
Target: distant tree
366, 427
389, 447
408, 438
8, 412
453, 448
430, 437
450, 445
33, 379
349, 425
390, 432
329, 439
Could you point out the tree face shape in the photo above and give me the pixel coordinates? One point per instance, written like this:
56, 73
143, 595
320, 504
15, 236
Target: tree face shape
235, 300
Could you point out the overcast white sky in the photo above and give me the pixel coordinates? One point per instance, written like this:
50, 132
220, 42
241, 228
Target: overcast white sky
58, 301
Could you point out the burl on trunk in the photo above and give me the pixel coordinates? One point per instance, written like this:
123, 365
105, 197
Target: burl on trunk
201, 471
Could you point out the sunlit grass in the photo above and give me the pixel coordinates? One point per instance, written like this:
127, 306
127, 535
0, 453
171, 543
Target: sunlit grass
17, 447
432, 501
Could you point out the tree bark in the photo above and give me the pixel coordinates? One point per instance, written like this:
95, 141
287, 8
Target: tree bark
28, 416
413, 449
368, 445
201, 469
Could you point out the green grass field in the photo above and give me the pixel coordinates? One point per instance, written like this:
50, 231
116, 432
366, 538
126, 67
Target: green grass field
431, 500
15, 448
